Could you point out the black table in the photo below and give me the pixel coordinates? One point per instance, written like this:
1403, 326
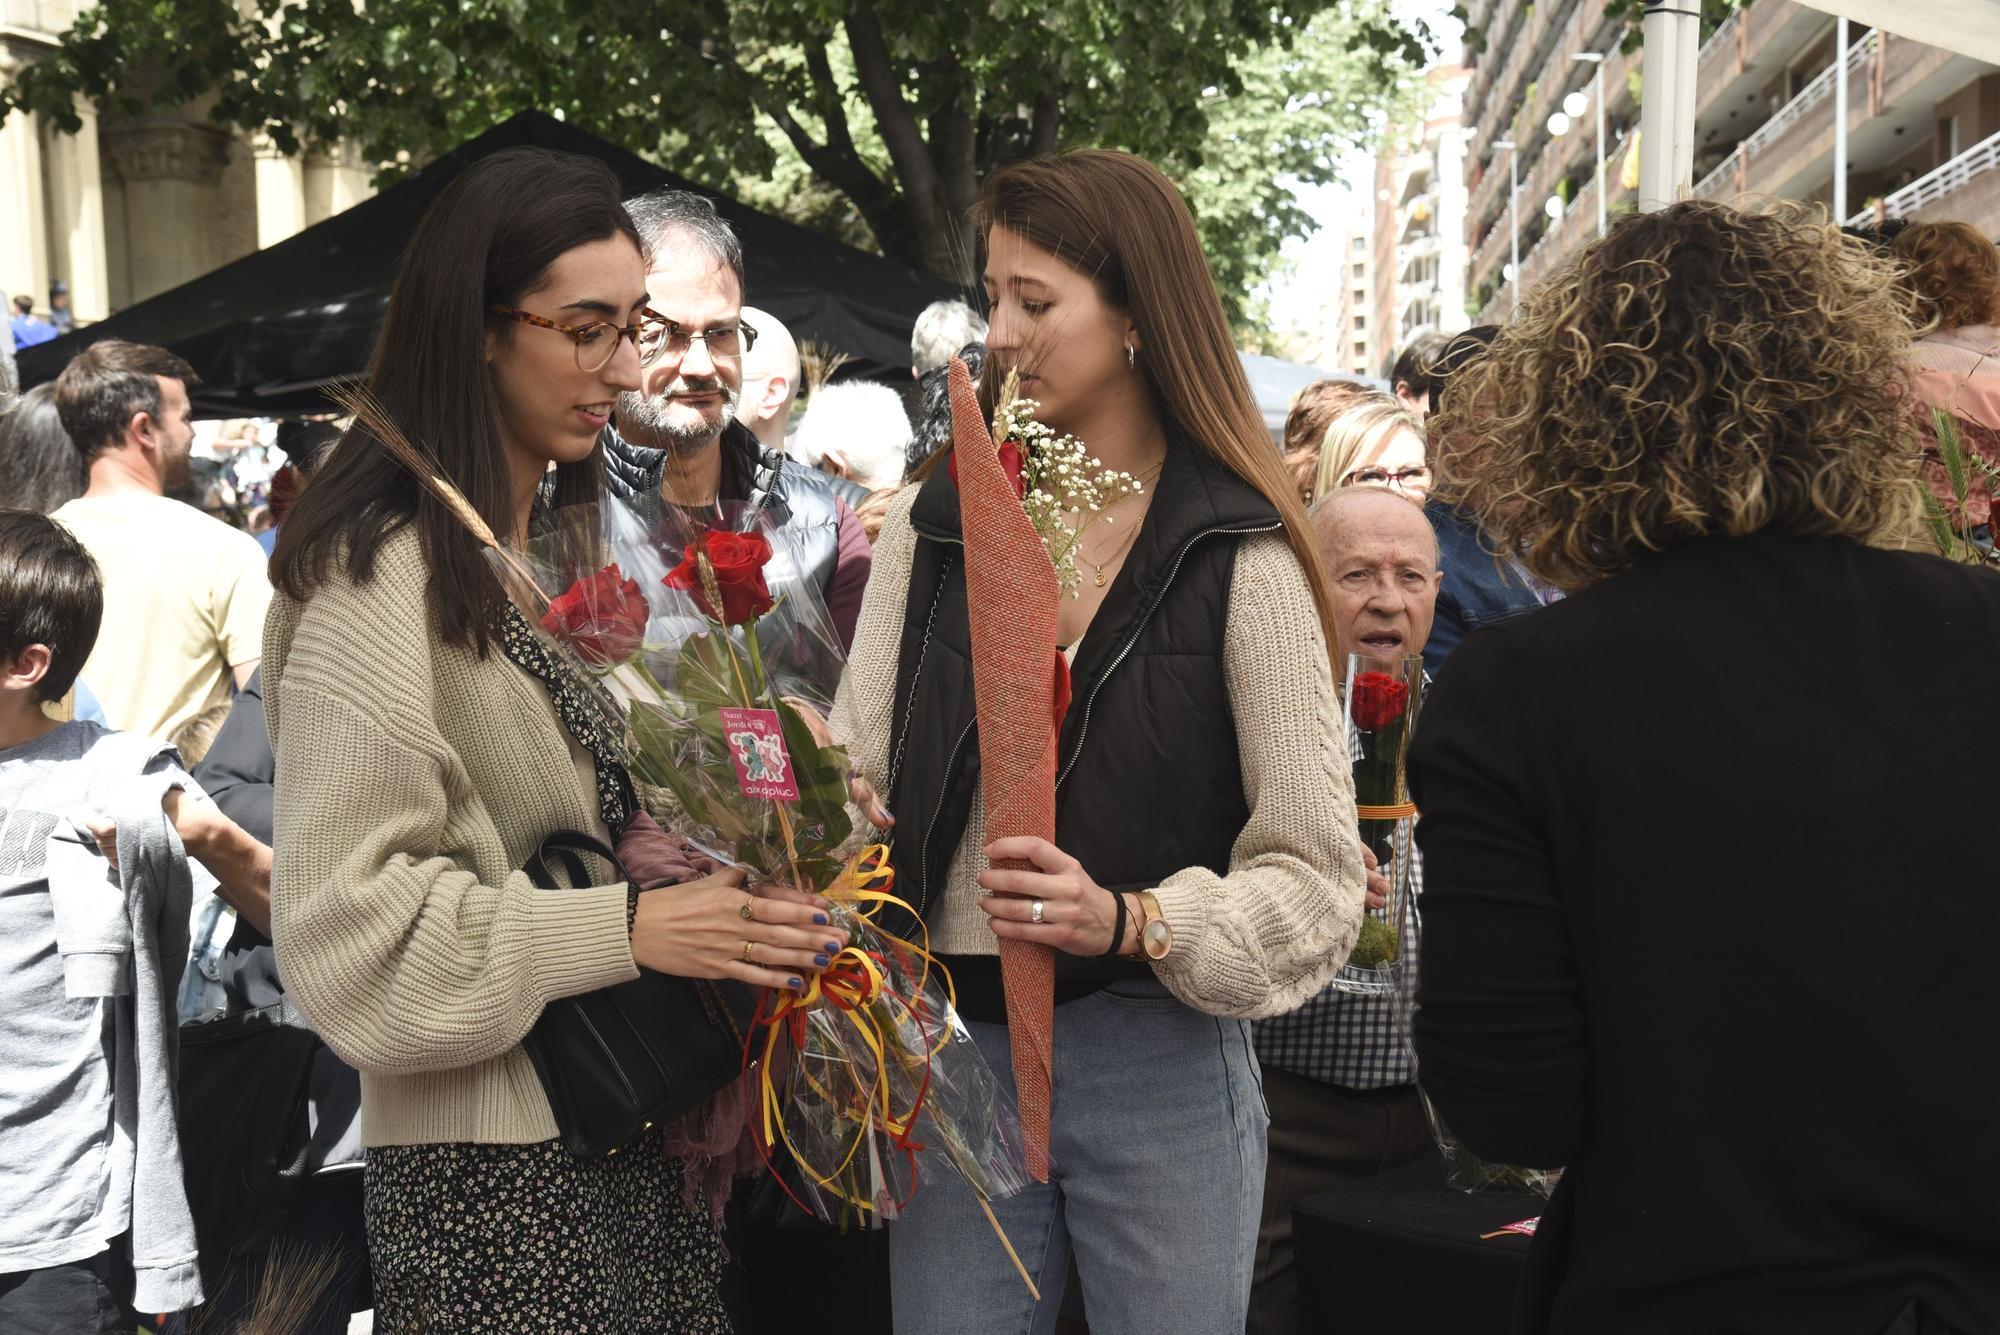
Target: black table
1401, 1254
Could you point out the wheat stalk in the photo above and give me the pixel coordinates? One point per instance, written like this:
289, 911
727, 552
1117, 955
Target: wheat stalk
361, 404
1010, 389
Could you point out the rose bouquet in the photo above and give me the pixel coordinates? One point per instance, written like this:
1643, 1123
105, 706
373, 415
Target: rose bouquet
1382, 697
867, 1080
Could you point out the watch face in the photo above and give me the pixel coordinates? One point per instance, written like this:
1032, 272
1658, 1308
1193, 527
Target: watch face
1158, 939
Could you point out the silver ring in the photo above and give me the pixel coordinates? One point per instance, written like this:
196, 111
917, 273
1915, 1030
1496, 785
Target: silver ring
1037, 915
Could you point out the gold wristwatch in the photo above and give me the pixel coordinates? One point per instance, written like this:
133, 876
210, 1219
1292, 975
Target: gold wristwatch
1155, 937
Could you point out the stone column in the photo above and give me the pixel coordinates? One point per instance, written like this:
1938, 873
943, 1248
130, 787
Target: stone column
281, 200
73, 183
335, 179
24, 237
172, 227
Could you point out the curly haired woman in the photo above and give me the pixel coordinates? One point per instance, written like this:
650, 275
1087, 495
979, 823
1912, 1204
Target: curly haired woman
1690, 929
1953, 272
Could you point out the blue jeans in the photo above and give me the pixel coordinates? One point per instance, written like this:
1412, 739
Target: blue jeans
1156, 1179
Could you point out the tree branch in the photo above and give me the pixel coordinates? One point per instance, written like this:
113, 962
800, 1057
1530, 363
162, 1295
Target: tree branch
837, 162
902, 136
1047, 121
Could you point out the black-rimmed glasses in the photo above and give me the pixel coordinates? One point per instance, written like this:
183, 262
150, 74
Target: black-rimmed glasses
596, 342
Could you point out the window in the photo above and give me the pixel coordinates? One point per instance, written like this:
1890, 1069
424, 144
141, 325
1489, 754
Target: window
1360, 245
1360, 323
1361, 269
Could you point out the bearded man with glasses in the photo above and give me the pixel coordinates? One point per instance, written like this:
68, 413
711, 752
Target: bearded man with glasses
676, 441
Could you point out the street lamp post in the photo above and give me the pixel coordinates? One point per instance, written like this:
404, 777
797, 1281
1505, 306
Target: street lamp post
1597, 95
1513, 218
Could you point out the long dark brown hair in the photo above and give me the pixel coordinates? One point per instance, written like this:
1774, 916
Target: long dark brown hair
489, 240
1120, 222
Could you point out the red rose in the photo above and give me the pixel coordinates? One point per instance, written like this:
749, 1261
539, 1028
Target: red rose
1062, 690
1011, 461
1379, 700
602, 617
738, 560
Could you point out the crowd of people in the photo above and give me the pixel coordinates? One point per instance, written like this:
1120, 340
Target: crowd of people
1697, 553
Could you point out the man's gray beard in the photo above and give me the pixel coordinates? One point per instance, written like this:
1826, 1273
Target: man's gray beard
648, 418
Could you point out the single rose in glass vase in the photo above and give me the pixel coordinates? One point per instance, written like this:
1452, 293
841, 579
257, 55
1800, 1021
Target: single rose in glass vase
1382, 696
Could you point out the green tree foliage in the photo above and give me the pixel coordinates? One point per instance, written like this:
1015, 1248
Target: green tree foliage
873, 119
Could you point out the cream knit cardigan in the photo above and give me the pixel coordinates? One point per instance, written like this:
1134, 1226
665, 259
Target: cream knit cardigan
414, 779
1267, 936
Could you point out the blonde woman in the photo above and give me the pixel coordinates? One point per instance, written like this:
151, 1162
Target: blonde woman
1373, 442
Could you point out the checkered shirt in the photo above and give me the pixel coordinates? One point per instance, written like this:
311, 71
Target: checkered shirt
1355, 1042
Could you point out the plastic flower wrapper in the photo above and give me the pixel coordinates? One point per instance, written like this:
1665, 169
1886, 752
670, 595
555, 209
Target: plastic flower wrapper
883, 1086
740, 642
1382, 697
1466, 1171
567, 581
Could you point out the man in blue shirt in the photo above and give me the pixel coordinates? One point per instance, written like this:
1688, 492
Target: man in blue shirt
28, 328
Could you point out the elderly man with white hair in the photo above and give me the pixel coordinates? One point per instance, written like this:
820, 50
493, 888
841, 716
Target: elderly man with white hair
1338, 1072
942, 329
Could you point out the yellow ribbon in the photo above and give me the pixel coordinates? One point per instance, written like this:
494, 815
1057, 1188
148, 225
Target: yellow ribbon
1393, 811
854, 984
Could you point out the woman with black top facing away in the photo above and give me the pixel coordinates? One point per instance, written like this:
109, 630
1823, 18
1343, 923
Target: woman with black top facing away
425, 747
1201, 776
1709, 909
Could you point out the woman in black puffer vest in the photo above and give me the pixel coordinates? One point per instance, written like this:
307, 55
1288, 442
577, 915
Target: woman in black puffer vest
1202, 791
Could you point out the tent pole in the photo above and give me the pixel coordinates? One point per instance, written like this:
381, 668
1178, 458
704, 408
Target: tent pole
1666, 112
1840, 122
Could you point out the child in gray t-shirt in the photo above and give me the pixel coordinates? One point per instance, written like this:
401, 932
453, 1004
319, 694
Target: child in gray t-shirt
96, 828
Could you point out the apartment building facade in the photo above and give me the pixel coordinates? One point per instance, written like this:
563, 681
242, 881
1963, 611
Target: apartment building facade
1531, 112
1426, 290
1923, 129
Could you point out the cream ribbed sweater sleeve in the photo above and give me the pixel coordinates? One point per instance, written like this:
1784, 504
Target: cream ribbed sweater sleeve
403, 928
1262, 939
862, 708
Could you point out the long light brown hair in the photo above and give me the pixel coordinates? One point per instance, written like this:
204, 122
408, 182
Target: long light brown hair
1120, 222
1700, 372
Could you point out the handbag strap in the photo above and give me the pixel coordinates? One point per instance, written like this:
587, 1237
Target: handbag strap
565, 848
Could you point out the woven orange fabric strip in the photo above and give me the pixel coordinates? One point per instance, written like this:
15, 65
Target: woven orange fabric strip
1014, 601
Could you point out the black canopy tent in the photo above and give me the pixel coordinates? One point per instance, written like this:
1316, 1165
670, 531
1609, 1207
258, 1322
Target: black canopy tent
269, 331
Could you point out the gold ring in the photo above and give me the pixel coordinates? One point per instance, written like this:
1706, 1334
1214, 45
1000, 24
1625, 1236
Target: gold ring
748, 911
746, 951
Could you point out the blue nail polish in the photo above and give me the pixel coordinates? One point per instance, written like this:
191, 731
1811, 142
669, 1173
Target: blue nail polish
819, 919
798, 985
833, 947
821, 960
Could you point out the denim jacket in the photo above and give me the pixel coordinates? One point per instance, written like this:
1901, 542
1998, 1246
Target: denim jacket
1478, 588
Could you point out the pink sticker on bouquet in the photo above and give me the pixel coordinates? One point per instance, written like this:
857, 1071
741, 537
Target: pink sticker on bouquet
1525, 1227
757, 746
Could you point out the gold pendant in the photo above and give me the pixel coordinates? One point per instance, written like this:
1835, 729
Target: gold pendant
1100, 579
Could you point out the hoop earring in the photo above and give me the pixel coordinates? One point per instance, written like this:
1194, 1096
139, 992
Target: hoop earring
1131, 357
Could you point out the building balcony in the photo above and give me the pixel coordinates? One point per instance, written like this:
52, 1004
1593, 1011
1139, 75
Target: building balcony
1965, 189
1893, 85
1741, 59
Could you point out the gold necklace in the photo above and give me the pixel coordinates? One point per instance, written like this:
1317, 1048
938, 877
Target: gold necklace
1097, 567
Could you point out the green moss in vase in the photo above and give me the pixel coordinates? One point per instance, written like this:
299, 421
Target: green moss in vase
1375, 946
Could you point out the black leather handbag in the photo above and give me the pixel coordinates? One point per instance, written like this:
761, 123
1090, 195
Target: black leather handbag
618, 1061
